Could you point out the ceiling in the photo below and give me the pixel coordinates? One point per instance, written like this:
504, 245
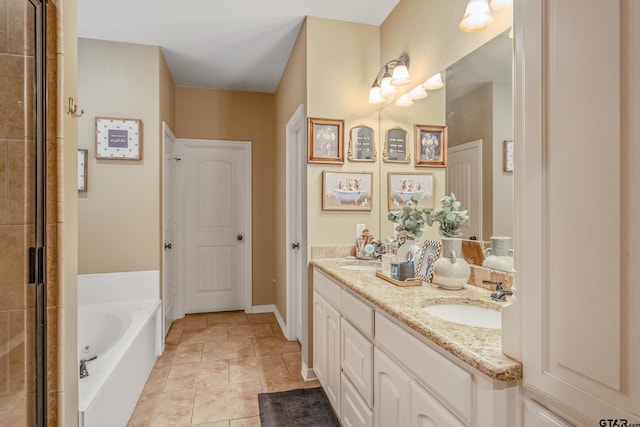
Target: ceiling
220, 44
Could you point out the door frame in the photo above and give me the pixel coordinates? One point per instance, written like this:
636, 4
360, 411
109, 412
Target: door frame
295, 173
180, 207
168, 167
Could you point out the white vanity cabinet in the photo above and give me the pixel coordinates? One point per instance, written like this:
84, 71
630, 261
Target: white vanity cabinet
577, 277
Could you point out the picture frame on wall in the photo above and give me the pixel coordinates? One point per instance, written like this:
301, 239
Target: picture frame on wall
430, 253
431, 145
83, 157
326, 141
396, 146
362, 147
118, 139
347, 191
401, 187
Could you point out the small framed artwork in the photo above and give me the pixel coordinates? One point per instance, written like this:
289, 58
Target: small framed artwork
403, 186
431, 145
326, 141
396, 146
118, 139
429, 255
347, 191
83, 156
362, 147
507, 156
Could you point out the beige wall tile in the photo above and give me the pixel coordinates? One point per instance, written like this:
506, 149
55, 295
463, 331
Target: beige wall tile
4, 181
19, 41
12, 267
3, 26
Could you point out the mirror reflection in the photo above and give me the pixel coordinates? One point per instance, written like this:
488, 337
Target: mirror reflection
476, 107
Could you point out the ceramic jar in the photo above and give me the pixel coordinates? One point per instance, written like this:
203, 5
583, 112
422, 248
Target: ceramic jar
500, 255
451, 271
408, 247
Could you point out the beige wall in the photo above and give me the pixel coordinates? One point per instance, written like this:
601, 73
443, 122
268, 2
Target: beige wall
291, 92
502, 181
118, 217
241, 116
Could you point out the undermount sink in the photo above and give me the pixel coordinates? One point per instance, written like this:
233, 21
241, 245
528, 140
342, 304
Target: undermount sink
466, 314
362, 267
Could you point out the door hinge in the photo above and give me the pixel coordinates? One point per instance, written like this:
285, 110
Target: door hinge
36, 265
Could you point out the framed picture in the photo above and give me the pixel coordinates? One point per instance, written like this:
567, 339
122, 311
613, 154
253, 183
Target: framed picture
507, 156
347, 191
326, 141
431, 145
402, 186
362, 147
429, 255
118, 138
396, 146
83, 156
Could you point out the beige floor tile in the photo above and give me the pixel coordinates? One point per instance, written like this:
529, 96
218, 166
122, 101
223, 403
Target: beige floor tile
196, 375
257, 368
227, 318
232, 349
262, 318
180, 354
287, 383
293, 362
250, 331
275, 345
191, 321
218, 424
208, 334
226, 402
157, 378
245, 422
174, 335
163, 409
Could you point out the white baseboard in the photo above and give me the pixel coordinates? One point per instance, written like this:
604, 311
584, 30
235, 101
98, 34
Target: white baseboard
271, 308
308, 374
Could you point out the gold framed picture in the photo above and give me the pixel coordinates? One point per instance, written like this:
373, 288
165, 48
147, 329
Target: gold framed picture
326, 141
431, 145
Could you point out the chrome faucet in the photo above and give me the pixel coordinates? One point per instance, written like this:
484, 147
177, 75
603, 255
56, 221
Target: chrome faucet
83, 366
499, 294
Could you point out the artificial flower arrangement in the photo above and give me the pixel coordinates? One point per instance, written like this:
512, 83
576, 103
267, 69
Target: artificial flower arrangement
412, 217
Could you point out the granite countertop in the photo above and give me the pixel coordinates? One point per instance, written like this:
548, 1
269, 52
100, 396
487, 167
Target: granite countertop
478, 347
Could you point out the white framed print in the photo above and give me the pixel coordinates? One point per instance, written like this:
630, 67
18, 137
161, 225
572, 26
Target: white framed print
507, 156
118, 138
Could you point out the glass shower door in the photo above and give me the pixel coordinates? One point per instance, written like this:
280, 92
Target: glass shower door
22, 139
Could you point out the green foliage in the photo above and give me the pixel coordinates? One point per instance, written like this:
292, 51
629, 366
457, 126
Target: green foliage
412, 218
449, 216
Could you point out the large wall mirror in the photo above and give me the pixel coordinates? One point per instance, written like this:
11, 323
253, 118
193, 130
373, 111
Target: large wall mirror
476, 106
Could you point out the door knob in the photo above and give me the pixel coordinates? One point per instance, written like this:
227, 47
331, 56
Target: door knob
295, 245
167, 245
240, 237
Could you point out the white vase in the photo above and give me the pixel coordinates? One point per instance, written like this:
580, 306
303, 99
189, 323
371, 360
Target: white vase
408, 247
500, 255
451, 271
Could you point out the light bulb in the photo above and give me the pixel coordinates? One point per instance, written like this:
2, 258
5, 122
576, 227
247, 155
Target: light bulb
404, 101
476, 17
433, 83
386, 88
417, 92
400, 75
374, 95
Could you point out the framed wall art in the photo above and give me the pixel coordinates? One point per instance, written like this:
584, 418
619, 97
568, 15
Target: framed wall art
347, 191
431, 145
118, 138
428, 256
396, 146
403, 186
83, 156
507, 156
326, 141
362, 147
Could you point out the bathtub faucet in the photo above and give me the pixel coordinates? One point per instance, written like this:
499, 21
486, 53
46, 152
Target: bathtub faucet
83, 366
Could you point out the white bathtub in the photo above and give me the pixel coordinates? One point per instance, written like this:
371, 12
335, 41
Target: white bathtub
124, 336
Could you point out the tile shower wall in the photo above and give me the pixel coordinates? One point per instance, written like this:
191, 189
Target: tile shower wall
16, 213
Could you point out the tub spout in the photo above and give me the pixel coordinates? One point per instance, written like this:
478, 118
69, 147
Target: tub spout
83, 366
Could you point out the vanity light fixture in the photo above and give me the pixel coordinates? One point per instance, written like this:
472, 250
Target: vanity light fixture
434, 82
417, 92
477, 16
392, 74
404, 101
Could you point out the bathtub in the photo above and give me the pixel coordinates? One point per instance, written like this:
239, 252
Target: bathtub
124, 337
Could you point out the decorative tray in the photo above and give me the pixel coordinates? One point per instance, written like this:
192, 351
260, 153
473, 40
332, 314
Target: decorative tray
408, 282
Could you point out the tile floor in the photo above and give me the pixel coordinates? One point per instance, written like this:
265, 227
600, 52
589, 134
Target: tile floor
213, 368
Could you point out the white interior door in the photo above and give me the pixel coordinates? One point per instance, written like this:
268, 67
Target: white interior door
464, 179
168, 259
215, 186
296, 214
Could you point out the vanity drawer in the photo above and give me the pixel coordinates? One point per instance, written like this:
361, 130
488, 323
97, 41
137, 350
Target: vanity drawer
451, 384
327, 288
358, 312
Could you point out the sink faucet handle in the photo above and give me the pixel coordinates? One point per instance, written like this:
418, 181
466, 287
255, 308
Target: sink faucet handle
489, 282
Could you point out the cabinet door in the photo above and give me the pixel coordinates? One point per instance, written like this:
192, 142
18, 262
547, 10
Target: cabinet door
426, 411
577, 152
354, 412
357, 360
319, 347
332, 354
392, 392
536, 416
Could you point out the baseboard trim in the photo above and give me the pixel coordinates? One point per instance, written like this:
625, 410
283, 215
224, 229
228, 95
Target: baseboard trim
308, 374
271, 308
